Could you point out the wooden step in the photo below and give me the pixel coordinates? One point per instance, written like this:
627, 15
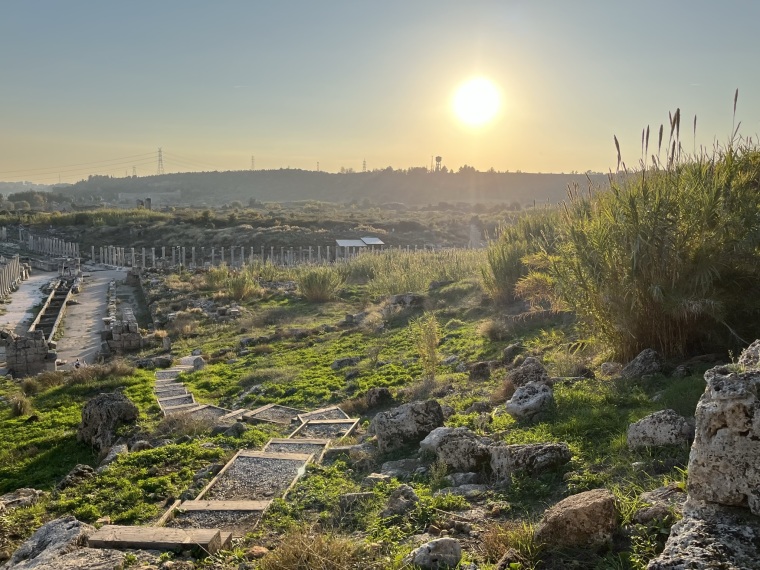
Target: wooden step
184, 408
273, 413
284, 445
338, 429
208, 412
158, 538
171, 401
203, 505
235, 415
330, 413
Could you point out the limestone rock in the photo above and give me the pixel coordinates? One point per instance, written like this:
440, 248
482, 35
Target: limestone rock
531, 370
436, 554
530, 401
401, 469
401, 501
531, 458
750, 356
196, 362
52, 540
458, 479
584, 520
711, 537
102, 415
480, 371
373, 479
611, 368
19, 498
457, 448
74, 477
113, 453
406, 424
345, 362
665, 427
647, 362
511, 351
724, 464
377, 397
352, 501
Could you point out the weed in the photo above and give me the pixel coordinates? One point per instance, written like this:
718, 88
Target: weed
319, 284
20, 405
425, 332
498, 538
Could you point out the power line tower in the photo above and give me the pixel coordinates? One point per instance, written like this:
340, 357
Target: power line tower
160, 161
253, 162
134, 171
364, 165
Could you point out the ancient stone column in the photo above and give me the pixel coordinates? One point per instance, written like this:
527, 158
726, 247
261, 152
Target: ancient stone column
192, 255
213, 257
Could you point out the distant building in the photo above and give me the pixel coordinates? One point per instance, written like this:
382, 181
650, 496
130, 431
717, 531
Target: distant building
354, 246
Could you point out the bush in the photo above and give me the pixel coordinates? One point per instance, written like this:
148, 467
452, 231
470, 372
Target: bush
319, 284
664, 259
308, 548
425, 334
20, 406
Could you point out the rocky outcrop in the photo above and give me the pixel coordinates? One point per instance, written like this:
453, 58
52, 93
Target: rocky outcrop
406, 424
665, 427
530, 402
647, 362
102, 415
721, 517
19, 498
531, 370
530, 458
585, 520
724, 465
77, 475
378, 396
436, 555
711, 537
457, 448
402, 500
57, 545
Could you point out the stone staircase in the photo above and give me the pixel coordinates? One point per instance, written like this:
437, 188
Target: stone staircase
235, 500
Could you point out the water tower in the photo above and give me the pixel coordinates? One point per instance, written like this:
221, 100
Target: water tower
438, 163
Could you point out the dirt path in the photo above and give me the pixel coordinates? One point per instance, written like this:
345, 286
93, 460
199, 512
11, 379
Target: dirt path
84, 321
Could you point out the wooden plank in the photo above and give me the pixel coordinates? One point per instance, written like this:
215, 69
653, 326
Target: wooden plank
351, 424
325, 443
168, 514
215, 479
155, 538
277, 455
303, 418
204, 505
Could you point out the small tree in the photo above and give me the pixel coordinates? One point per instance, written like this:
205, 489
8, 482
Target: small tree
425, 332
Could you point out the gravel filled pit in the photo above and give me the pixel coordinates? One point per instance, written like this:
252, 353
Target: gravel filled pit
277, 414
255, 479
171, 401
297, 446
326, 414
236, 522
324, 431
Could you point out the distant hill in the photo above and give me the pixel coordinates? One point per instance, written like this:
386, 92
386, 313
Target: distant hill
414, 186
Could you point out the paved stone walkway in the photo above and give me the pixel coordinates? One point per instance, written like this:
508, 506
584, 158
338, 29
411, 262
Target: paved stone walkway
83, 322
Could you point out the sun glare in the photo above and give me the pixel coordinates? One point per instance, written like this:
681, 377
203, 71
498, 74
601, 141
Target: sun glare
476, 102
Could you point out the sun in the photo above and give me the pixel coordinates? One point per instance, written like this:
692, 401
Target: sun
477, 101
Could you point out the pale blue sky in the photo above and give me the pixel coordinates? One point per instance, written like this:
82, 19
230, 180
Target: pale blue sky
336, 82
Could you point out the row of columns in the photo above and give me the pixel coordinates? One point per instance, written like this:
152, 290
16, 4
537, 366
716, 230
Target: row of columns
52, 246
234, 256
11, 274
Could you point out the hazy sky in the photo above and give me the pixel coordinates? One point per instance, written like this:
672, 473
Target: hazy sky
98, 86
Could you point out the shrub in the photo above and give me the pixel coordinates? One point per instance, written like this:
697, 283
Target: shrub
497, 538
425, 334
319, 284
636, 270
20, 405
307, 547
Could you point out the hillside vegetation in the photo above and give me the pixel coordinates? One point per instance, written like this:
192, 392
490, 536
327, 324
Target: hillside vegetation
665, 259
